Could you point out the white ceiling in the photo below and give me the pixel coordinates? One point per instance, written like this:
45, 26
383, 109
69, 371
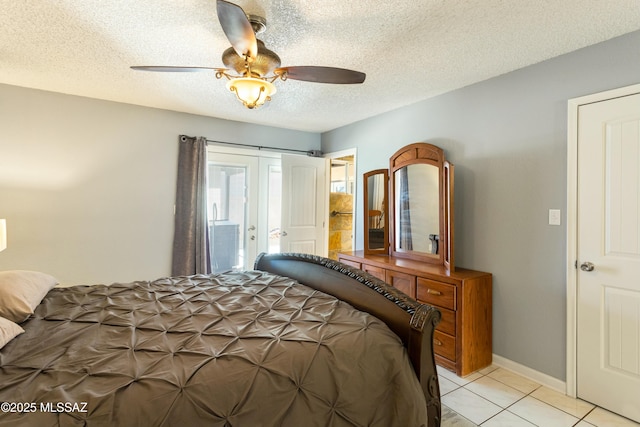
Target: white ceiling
410, 50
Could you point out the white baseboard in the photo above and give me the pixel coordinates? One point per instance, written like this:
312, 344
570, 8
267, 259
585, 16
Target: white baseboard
532, 374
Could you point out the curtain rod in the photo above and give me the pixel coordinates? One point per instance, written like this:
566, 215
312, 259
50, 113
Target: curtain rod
310, 153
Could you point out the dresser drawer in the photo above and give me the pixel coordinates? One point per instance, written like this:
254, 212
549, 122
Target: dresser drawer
374, 271
444, 345
448, 322
404, 282
350, 263
436, 293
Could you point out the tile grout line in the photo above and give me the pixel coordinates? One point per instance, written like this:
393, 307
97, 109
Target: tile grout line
579, 419
510, 405
539, 386
585, 416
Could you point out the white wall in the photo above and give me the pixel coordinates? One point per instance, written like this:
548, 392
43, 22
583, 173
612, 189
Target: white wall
88, 186
507, 138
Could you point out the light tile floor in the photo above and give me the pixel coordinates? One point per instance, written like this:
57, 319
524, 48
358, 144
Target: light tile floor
496, 397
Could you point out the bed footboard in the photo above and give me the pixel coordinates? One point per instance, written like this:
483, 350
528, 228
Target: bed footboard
412, 321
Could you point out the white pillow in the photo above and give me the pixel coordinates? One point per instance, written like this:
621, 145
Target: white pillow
21, 291
8, 331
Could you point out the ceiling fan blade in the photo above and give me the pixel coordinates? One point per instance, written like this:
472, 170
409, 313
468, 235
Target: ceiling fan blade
237, 28
323, 74
163, 68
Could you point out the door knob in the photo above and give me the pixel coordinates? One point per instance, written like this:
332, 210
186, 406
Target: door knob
284, 233
253, 227
587, 266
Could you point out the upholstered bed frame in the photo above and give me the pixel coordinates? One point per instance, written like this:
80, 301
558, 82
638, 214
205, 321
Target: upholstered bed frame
412, 321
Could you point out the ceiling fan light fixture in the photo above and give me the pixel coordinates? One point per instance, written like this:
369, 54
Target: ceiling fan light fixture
251, 68
251, 91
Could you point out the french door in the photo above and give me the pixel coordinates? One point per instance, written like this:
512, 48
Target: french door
254, 206
243, 208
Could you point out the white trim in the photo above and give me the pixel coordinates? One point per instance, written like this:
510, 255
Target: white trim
341, 153
532, 374
572, 222
572, 239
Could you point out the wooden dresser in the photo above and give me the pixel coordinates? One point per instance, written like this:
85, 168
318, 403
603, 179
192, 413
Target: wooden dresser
462, 340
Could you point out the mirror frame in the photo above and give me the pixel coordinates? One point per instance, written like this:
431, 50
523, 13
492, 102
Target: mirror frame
423, 153
448, 205
365, 186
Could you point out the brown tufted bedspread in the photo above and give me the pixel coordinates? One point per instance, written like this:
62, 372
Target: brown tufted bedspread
243, 349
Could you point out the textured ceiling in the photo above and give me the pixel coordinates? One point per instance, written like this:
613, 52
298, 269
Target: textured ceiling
410, 50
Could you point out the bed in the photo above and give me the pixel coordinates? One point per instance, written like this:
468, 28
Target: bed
299, 341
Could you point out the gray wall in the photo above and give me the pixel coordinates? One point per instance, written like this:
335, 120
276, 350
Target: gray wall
507, 138
88, 186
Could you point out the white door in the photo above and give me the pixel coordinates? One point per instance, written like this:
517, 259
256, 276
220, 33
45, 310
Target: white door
244, 204
233, 210
608, 278
269, 205
303, 205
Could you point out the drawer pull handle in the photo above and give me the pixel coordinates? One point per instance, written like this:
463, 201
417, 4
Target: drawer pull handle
433, 292
437, 341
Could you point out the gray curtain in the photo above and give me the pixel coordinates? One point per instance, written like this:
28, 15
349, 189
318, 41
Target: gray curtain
191, 232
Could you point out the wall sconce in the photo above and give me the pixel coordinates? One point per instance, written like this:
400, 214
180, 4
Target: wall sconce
3, 234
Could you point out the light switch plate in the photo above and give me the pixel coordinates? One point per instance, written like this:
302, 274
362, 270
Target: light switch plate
554, 216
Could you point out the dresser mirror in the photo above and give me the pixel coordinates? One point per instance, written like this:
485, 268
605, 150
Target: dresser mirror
376, 201
416, 210
417, 221
421, 205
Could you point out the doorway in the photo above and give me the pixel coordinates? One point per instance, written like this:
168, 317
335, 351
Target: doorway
341, 203
603, 292
244, 206
263, 202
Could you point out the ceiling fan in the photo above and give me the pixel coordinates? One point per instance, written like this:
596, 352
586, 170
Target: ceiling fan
251, 67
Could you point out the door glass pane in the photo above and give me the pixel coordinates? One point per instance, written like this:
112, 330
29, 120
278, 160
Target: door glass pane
227, 216
275, 202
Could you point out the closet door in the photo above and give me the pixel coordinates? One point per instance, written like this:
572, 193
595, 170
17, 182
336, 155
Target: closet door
608, 300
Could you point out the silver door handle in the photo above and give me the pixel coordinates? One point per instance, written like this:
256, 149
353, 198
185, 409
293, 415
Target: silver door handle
253, 227
587, 266
284, 233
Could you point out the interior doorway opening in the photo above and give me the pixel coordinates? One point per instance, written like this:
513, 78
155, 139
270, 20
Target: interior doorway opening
341, 204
